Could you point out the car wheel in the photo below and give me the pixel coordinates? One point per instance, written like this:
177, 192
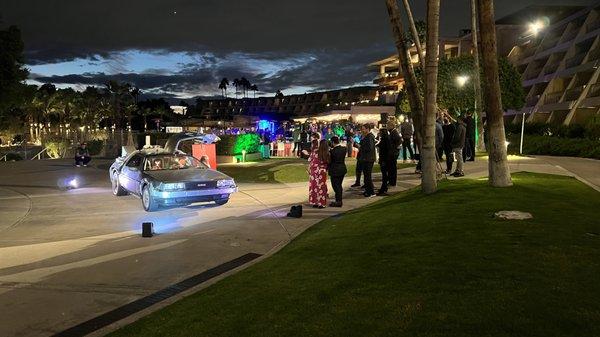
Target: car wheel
221, 202
147, 200
117, 189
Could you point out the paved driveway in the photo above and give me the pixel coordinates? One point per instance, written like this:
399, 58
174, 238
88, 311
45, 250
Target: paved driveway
69, 256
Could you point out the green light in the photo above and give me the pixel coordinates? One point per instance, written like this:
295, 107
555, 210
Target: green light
248, 142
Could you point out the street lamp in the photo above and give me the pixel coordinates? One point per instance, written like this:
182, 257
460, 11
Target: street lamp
537, 26
462, 80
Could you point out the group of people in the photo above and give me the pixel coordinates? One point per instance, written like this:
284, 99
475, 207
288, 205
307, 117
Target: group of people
454, 140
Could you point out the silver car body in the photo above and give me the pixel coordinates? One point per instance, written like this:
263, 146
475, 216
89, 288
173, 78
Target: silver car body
130, 174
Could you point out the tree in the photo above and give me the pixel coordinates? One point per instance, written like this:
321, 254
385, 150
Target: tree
428, 155
254, 88
499, 173
236, 84
12, 67
279, 94
476, 78
245, 85
411, 86
416, 38
223, 86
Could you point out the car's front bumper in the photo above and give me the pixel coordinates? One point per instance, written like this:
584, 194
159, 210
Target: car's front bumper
192, 196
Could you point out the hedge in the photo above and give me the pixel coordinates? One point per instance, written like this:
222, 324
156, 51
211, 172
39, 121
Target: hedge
231, 145
556, 146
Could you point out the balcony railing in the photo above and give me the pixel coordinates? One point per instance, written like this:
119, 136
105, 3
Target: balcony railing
533, 73
594, 90
553, 97
549, 43
573, 94
575, 60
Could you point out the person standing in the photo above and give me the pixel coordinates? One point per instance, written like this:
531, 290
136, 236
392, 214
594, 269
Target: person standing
385, 158
367, 158
296, 139
82, 155
317, 173
447, 144
406, 130
396, 142
337, 169
439, 139
359, 166
469, 149
349, 141
458, 143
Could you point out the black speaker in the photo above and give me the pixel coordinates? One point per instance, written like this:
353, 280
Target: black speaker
147, 229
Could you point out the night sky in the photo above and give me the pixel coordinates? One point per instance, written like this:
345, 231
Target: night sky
182, 48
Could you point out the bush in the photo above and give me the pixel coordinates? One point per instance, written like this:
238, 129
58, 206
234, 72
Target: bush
592, 128
13, 157
556, 146
55, 147
231, 145
95, 146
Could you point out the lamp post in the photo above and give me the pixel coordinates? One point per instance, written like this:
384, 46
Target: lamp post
461, 81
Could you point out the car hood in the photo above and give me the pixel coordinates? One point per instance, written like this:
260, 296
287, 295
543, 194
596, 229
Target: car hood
186, 175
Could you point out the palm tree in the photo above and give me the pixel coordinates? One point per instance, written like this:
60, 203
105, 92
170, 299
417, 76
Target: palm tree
412, 89
223, 86
245, 85
499, 173
428, 157
254, 88
476, 81
415, 34
236, 84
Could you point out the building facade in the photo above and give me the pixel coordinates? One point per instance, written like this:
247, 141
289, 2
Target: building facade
560, 66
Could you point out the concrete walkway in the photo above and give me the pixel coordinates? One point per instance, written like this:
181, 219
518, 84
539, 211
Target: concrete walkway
69, 256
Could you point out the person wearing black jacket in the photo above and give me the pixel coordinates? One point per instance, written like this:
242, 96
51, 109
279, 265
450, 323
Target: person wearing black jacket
458, 143
385, 158
469, 149
447, 144
366, 158
396, 142
337, 169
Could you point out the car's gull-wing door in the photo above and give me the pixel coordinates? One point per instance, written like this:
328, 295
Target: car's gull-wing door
173, 142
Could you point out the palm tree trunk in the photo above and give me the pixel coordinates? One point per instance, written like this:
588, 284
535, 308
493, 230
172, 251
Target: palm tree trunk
413, 29
414, 98
499, 173
428, 158
476, 81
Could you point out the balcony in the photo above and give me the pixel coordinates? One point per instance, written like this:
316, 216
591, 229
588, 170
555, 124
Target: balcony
551, 68
594, 55
549, 42
594, 91
574, 93
553, 97
570, 35
533, 73
575, 60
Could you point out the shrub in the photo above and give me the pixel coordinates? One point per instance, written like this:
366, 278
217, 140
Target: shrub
56, 146
592, 128
231, 145
556, 146
95, 146
13, 157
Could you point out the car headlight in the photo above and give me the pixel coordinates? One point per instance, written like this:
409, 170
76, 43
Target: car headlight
225, 183
171, 186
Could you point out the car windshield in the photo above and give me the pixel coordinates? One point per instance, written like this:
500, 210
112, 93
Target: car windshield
172, 162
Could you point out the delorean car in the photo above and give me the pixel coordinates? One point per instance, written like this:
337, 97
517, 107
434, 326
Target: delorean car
168, 177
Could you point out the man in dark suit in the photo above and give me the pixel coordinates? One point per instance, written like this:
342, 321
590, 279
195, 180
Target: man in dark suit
367, 158
337, 169
396, 143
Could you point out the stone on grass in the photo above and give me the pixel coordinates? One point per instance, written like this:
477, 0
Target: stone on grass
513, 215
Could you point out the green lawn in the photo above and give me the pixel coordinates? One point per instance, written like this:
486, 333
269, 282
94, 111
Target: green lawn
415, 265
280, 170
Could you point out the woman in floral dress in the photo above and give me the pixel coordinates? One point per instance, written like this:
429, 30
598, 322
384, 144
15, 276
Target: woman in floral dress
317, 173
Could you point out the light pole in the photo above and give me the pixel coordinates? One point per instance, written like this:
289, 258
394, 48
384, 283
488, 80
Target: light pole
461, 81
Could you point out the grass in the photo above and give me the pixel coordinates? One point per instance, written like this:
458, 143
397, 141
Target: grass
280, 170
415, 265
